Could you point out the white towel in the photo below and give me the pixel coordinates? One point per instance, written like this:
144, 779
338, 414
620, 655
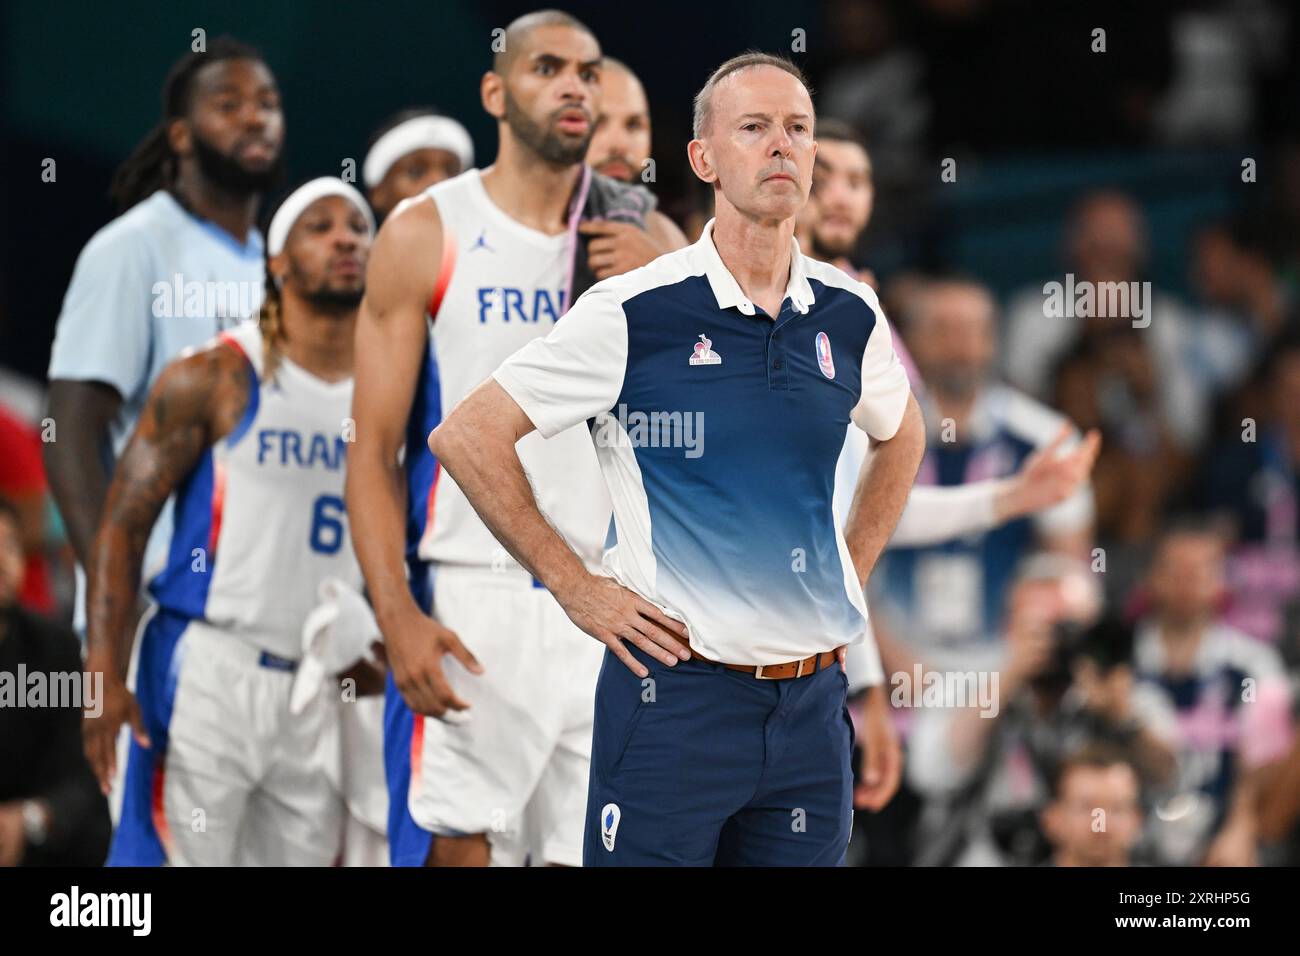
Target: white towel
337, 633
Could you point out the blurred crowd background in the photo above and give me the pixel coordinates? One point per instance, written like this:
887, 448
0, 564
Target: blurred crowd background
1148, 648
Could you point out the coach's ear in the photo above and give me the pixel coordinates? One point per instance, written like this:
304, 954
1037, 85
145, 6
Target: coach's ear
491, 90
701, 158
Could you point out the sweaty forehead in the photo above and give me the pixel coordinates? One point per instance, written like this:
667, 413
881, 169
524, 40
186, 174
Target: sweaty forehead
760, 89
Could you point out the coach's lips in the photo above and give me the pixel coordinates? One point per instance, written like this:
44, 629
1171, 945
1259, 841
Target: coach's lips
779, 177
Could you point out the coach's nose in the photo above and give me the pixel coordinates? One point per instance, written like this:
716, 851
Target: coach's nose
782, 144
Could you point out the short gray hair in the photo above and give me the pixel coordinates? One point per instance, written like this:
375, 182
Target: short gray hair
704, 98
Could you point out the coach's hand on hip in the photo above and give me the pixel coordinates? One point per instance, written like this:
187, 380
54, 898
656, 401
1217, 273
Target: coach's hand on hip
613, 614
416, 645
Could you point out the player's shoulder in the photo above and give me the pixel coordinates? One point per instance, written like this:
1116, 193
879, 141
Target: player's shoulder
1023, 416
136, 233
235, 353
463, 183
416, 220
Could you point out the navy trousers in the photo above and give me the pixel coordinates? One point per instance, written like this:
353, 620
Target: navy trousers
699, 765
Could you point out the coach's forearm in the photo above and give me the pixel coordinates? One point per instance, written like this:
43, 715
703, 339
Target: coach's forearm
882, 491
480, 455
376, 501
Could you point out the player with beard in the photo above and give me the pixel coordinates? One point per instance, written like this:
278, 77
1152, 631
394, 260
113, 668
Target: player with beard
620, 149
461, 277
250, 433
181, 262
621, 144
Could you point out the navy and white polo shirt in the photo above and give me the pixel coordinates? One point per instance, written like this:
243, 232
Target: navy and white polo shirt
718, 429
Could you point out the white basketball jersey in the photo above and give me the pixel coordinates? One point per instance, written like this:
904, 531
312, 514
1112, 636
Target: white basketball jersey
501, 285
260, 520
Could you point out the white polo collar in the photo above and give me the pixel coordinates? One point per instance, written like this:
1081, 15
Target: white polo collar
727, 290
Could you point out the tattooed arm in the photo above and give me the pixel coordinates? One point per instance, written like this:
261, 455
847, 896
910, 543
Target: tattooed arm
196, 400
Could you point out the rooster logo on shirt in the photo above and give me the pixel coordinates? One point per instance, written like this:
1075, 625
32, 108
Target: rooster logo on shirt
704, 354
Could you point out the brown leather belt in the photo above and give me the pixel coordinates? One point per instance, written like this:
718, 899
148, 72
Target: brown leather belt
804, 668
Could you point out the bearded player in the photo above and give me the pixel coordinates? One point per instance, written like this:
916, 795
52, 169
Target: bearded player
460, 278
250, 434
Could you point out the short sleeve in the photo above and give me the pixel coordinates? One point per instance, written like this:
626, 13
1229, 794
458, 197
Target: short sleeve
105, 330
885, 390
576, 372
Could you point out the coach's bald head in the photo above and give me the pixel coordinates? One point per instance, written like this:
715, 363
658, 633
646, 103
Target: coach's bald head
754, 137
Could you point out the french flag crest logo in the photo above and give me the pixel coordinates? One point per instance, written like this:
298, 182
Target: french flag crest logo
825, 361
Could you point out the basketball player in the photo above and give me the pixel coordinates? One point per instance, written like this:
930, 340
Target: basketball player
620, 145
620, 149
411, 152
250, 433
188, 195
461, 277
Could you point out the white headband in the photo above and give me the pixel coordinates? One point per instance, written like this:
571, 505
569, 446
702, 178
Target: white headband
302, 197
419, 132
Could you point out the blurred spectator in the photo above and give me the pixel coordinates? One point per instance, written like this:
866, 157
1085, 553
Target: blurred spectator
22, 483
1231, 696
948, 598
1244, 300
51, 810
1095, 817
1250, 479
1106, 242
1065, 681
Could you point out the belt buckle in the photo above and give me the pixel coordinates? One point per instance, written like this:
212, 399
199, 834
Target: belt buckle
758, 670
